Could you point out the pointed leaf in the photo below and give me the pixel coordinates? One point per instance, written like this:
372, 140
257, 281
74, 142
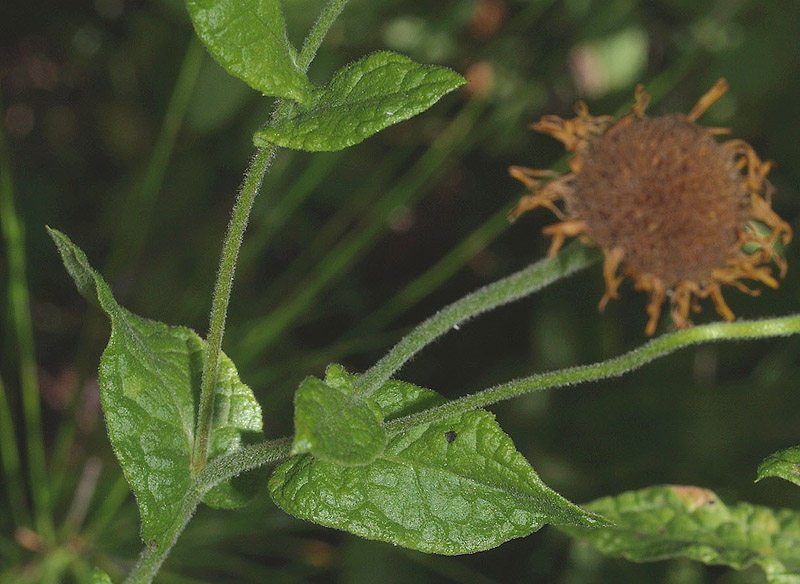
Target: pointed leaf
451, 487
784, 464
663, 522
361, 99
335, 425
149, 384
99, 577
248, 38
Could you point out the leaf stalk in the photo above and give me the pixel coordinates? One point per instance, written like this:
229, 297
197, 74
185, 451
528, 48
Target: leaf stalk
659, 347
571, 259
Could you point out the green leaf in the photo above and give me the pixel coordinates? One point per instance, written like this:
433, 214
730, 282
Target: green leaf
99, 577
237, 423
248, 38
335, 425
361, 99
664, 522
149, 385
451, 487
396, 398
784, 464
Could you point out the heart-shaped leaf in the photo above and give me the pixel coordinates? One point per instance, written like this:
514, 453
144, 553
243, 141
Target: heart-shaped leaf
149, 385
451, 487
664, 522
248, 38
361, 99
784, 464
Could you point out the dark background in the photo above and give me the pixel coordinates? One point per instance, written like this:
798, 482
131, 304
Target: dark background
335, 238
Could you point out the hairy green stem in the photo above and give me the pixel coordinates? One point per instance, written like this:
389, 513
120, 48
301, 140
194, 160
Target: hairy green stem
263, 333
317, 33
222, 295
215, 472
571, 259
233, 241
664, 345
411, 294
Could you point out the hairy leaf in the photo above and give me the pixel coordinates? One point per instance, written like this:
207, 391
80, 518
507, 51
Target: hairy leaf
452, 487
361, 99
248, 38
784, 464
149, 384
664, 522
335, 425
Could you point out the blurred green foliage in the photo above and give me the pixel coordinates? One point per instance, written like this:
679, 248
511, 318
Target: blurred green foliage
124, 135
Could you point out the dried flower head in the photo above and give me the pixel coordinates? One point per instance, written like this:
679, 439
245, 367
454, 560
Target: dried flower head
670, 206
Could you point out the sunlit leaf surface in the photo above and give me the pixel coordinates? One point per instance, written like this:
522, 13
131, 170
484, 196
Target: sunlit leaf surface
451, 487
361, 99
248, 38
784, 464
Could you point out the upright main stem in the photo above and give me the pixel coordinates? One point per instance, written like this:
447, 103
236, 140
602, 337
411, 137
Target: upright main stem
222, 295
233, 241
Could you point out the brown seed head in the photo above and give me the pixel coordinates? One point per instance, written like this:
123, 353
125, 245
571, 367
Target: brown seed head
670, 206
648, 183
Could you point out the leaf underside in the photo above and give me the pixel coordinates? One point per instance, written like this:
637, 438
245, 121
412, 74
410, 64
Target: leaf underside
663, 522
361, 99
149, 386
451, 487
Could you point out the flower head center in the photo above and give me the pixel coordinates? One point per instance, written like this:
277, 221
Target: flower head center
664, 192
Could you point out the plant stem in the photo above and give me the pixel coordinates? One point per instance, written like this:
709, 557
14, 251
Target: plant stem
217, 471
411, 294
571, 259
222, 295
264, 332
317, 33
233, 241
664, 345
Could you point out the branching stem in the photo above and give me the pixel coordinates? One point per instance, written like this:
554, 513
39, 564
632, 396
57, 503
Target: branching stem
571, 259
228, 466
217, 471
232, 244
660, 347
